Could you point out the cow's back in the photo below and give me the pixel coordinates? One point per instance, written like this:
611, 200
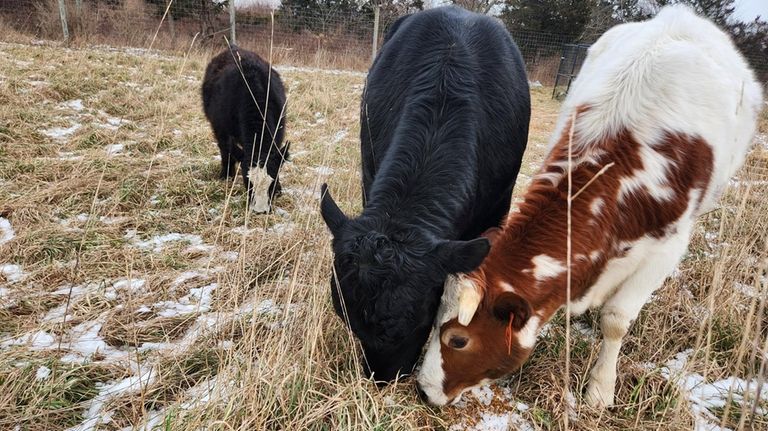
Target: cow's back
486, 65
229, 91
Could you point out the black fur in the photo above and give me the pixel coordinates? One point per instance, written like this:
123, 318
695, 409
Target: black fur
237, 121
444, 124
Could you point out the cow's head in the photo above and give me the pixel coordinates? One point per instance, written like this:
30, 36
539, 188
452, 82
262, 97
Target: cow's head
477, 337
265, 180
387, 283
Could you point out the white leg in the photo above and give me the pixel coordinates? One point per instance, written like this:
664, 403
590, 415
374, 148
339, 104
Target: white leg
622, 308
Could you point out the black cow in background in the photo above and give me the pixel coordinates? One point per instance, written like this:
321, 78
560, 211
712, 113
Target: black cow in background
244, 100
444, 123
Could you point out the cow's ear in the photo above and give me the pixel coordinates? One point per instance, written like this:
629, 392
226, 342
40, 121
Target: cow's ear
511, 306
332, 215
463, 256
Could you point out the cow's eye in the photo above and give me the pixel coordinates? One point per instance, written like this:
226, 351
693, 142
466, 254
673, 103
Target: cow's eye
457, 342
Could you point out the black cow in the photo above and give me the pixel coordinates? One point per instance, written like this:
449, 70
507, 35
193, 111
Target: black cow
246, 109
444, 123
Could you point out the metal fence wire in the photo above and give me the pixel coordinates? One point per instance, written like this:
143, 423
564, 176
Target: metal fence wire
329, 38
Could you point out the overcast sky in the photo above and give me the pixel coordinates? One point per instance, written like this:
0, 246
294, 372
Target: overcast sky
746, 10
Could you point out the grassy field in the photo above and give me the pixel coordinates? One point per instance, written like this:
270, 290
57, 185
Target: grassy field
137, 293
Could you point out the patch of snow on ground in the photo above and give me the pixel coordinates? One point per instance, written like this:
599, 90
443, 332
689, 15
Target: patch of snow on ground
484, 394
341, 134
703, 396
95, 414
61, 133
198, 300
281, 228
158, 243
69, 156
12, 272
323, 170
6, 231
43, 373
39, 340
114, 149
131, 286
76, 104
535, 84
83, 341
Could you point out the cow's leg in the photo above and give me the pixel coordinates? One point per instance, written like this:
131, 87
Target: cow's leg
622, 308
228, 162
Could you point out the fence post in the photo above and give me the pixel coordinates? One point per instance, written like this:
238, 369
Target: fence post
232, 21
78, 7
375, 32
63, 14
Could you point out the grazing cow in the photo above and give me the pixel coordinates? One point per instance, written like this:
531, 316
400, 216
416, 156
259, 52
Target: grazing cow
244, 100
660, 117
444, 123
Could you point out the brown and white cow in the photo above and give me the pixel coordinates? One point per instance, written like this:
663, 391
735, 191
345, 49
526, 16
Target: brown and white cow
660, 117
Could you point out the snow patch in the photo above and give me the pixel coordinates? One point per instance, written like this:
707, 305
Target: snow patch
39, 340
114, 149
12, 272
703, 396
6, 231
43, 373
323, 170
61, 133
159, 242
484, 394
95, 415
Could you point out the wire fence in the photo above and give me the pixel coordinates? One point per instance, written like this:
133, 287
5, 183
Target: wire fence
328, 38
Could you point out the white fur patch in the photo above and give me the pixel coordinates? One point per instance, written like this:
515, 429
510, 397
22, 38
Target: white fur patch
506, 287
596, 206
545, 267
260, 181
431, 374
527, 335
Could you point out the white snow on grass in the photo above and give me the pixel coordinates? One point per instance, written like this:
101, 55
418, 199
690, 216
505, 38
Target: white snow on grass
703, 396
114, 149
75, 105
197, 301
95, 415
61, 133
496, 422
159, 242
339, 136
281, 228
484, 394
6, 231
43, 373
126, 285
84, 342
12, 272
39, 340
323, 170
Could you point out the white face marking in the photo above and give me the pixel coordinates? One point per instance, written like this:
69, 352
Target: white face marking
545, 267
596, 206
527, 336
431, 374
260, 181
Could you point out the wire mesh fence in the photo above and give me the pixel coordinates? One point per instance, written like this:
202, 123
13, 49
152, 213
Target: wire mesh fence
332, 37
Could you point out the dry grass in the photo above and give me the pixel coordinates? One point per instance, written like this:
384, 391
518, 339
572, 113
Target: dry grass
266, 351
